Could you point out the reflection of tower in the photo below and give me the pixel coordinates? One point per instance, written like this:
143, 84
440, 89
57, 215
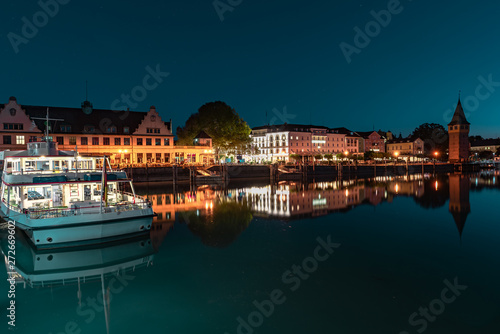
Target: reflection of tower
458, 131
459, 200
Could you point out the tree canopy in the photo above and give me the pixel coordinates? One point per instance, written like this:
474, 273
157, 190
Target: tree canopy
434, 135
228, 130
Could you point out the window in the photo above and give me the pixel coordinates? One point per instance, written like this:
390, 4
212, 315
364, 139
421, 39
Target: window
166, 142
20, 140
7, 140
32, 139
126, 141
60, 140
118, 141
158, 157
167, 157
111, 129
153, 130
158, 141
12, 126
84, 141
139, 158
89, 128
148, 141
72, 140
105, 141
126, 129
149, 157
95, 140
139, 141
65, 128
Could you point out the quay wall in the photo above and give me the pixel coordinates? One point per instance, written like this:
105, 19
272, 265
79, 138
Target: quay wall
244, 172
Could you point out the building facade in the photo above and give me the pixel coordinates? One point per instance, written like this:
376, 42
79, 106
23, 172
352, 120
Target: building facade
458, 132
127, 137
407, 146
485, 145
374, 141
275, 143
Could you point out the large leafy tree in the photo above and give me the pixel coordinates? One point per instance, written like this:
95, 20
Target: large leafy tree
230, 133
434, 135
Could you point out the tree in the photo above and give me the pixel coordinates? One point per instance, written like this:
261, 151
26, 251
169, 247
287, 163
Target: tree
329, 157
229, 132
435, 137
223, 226
485, 155
318, 157
295, 157
497, 153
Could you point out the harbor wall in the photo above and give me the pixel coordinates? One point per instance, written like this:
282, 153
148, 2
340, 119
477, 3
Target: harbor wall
243, 172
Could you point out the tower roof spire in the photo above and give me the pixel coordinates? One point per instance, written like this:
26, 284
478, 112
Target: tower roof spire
459, 115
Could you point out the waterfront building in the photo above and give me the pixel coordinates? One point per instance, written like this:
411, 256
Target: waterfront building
374, 141
276, 142
127, 137
405, 147
458, 131
485, 145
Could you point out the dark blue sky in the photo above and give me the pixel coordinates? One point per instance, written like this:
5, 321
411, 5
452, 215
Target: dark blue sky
264, 55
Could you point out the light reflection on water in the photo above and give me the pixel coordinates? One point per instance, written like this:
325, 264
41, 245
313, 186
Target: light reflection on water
212, 252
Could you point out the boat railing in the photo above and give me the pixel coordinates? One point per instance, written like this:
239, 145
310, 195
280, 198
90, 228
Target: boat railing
79, 210
11, 207
47, 171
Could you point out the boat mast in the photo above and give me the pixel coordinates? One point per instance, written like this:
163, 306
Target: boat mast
103, 184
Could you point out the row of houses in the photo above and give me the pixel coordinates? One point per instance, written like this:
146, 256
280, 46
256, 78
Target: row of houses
128, 137
273, 143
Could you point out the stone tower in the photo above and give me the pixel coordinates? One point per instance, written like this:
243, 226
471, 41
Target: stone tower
458, 131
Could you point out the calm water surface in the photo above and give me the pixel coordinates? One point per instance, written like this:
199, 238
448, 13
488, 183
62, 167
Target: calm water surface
409, 254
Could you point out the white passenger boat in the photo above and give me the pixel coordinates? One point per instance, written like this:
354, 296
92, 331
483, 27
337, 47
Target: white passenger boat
59, 197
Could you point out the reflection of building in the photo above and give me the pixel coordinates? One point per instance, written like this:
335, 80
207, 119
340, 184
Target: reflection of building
167, 205
458, 131
285, 202
459, 199
125, 136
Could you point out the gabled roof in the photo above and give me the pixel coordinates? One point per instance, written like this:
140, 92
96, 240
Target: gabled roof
459, 116
203, 135
366, 134
345, 131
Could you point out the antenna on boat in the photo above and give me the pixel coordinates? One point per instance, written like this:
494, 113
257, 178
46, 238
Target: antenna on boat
47, 126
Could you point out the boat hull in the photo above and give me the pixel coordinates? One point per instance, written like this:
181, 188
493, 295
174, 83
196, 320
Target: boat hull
64, 231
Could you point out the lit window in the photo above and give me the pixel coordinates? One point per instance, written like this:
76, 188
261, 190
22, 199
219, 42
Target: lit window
20, 140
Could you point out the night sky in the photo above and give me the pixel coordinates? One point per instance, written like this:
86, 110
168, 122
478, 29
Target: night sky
272, 56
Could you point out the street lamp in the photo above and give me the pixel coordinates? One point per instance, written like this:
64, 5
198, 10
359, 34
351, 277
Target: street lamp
436, 155
396, 154
346, 154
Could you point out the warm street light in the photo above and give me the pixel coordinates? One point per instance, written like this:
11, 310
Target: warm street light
396, 154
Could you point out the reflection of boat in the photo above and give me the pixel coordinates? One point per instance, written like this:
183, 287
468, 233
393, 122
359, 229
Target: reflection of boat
111, 264
62, 266
59, 197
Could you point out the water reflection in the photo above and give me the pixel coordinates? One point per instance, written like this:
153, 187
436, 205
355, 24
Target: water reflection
222, 225
111, 266
295, 200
